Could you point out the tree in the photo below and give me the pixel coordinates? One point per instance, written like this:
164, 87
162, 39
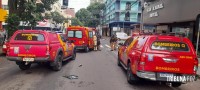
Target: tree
57, 17
13, 22
84, 16
28, 11
76, 22
95, 9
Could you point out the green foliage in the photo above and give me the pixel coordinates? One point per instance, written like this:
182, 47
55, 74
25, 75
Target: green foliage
91, 16
13, 22
76, 22
27, 11
84, 16
57, 17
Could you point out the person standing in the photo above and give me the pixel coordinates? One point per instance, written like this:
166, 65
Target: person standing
113, 41
95, 42
98, 42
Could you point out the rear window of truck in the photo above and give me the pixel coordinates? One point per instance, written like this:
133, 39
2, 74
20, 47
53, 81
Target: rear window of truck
75, 33
169, 46
29, 37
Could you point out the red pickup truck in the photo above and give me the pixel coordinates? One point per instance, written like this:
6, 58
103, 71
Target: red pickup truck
35, 46
164, 58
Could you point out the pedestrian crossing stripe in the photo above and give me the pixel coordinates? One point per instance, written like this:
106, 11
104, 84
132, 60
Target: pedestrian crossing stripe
108, 46
101, 46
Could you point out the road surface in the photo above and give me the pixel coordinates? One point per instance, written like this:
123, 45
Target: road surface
95, 70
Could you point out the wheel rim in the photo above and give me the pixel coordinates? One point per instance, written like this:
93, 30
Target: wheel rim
59, 63
128, 72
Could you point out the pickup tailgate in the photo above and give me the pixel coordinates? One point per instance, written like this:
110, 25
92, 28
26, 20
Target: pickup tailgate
28, 50
171, 57
28, 44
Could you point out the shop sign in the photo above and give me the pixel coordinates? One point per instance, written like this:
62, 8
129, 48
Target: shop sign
154, 8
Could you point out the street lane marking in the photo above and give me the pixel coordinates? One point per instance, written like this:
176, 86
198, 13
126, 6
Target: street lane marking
101, 46
108, 46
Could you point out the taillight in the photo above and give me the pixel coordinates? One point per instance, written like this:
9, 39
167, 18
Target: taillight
196, 65
142, 59
4, 46
47, 50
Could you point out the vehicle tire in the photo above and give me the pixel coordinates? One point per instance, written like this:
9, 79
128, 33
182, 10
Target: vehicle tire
22, 66
131, 78
58, 63
74, 55
87, 49
118, 60
176, 84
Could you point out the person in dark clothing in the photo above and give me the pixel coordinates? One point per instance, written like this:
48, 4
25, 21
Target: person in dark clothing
113, 41
98, 42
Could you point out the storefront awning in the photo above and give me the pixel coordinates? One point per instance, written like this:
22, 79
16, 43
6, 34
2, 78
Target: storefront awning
126, 24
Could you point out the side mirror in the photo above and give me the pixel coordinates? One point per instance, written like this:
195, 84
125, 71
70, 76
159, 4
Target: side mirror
121, 44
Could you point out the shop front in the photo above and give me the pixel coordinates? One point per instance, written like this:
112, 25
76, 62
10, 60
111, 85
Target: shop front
173, 16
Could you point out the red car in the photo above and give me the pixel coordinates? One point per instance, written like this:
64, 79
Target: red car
35, 46
5, 47
158, 58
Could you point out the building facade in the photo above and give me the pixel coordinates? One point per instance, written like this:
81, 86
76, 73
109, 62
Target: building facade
93, 1
174, 16
120, 14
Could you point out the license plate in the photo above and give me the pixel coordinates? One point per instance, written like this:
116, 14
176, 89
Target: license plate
165, 75
28, 59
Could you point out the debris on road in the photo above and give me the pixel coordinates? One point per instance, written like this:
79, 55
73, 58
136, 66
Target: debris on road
28, 72
80, 65
71, 77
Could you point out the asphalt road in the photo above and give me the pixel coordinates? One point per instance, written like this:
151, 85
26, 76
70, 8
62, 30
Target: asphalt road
96, 70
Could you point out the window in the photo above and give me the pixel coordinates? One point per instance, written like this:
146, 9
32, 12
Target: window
5, 7
70, 34
128, 41
78, 34
171, 46
90, 34
29, 37
62, 38
74, 33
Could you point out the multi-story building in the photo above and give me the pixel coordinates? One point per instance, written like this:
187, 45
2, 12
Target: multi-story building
114, 16
174, 16
93, 1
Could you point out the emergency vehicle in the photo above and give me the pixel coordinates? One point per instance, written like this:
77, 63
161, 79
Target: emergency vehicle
165, 58
36, 46
82, 37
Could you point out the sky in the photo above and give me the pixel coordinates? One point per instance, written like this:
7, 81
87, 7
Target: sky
78, 4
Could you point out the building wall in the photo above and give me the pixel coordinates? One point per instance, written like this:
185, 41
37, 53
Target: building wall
115, 10
173, 11
93, 1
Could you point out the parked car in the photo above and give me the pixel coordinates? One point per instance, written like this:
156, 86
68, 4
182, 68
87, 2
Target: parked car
121, 36
158, 58
35, 46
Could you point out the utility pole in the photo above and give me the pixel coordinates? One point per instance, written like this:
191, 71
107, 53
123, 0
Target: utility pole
1, 21
141, 19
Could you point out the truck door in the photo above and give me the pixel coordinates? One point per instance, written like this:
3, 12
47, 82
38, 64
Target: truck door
91, 42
